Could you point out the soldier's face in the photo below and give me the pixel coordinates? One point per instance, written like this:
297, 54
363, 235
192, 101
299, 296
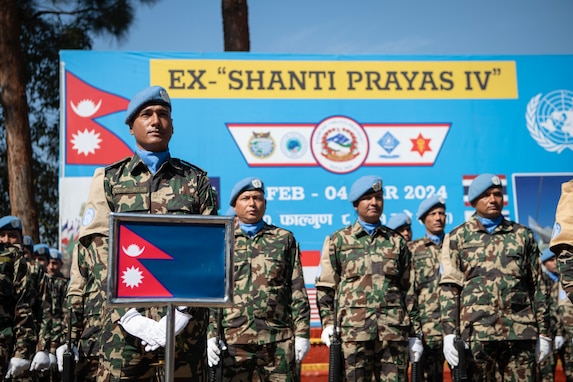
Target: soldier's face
406, 232
435, 221
152, 128
490, 203
10, 236
53, 267
369, 207
250, 206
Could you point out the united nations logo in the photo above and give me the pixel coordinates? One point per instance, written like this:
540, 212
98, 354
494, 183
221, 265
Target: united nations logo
262, 145
339, 144
550, 120
293, 145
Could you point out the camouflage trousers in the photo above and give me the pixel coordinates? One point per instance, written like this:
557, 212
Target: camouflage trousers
433, 362
502, 361
548, 366
375, 361
269, 362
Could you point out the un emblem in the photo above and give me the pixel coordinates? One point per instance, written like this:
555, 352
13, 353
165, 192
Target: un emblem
550, 120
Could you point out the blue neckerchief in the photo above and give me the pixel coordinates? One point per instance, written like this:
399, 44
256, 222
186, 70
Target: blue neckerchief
252, 229
552, 275
436, 239
153, 160
490, 224
368, 227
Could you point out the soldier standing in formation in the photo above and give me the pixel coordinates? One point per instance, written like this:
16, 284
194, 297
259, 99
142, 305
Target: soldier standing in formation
268, 328
402, 224
366, 274
150, 181
426, 259
493, 264
17, 296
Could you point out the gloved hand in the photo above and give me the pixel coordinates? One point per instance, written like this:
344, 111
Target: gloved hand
181, 321
53, 361
450, 351
301, 347
542, 348
559, 342
144, 328
327, 332
16, 367
416, 348
214, 350
60, 355
41, 361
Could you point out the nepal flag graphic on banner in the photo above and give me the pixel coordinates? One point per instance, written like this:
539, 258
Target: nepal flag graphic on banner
87, 141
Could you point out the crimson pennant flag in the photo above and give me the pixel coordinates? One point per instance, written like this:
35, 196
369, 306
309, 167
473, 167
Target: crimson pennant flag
87, 141
134, 279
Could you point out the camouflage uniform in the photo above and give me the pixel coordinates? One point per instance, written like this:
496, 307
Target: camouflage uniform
270, 307
57, 286
502, 296
565, 329
128, 186
547, 366
371, 277
426, 260
562, 238
17, 327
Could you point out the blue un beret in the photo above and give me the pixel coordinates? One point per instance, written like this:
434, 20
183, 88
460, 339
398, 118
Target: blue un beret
430, 203
481, 183
398, 220
42, 250
247, 184
10, 222
28, 242
546, 255
365, 185
153, 95
55, 254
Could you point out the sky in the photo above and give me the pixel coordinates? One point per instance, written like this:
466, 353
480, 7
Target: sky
370, 27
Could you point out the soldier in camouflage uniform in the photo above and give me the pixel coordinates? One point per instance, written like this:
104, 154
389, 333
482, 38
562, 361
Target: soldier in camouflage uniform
562, 237
402, 224
268, 328
17, 325
366, 274
565, 330
426, 258
493, 264
129, 341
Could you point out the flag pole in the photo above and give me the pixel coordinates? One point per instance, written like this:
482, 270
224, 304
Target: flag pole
170, 344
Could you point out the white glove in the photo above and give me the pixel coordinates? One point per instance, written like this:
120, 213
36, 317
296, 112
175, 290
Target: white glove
327, 332
214, 350
16, 367
450, 351
542, 348
146, 329
41, 361
60, 355
53, 361
416, 348
301, 347
559, 342
181, 321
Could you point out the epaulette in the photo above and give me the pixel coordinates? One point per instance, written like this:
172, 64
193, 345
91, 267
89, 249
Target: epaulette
185, 163
118, 163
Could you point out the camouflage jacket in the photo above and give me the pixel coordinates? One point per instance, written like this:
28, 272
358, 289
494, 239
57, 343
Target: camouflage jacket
126, 186
499, 275
57, 287
17, 321
426, 260
270, 302
372, 279
41, 304
564, 314
552, 292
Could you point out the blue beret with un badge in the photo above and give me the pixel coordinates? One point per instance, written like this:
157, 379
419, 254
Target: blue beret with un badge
27, 241
398, 220
55, 254
41, 250
428, 204
153, 95
10, 223
480, 185
546, 255
366, 185
247, 184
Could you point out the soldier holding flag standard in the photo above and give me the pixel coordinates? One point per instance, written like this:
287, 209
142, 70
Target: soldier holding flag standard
124, 344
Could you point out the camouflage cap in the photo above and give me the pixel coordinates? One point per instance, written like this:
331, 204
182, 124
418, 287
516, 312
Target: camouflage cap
247, 184
480, 185
10, 223
153, 95
365, 185
430, 203
546, 255
398, 220
42, 250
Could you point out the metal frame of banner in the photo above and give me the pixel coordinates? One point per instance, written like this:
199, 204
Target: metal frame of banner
217, 223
